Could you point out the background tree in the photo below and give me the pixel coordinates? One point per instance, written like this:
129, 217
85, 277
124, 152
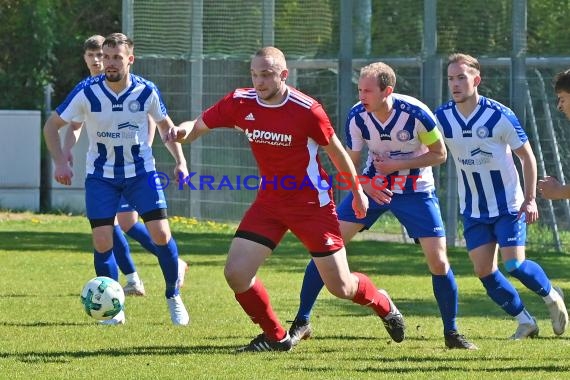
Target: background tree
42, 43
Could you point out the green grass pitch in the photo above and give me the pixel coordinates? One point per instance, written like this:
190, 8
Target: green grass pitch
45, 334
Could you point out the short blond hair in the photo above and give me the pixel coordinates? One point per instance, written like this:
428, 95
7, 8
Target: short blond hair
383, 73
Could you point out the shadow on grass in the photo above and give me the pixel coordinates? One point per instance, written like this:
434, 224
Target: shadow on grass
382, 259
371, 257
112, 353
375, 258
37, 241
43, 324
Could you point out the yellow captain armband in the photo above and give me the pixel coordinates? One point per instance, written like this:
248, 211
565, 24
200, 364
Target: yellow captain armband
428, 138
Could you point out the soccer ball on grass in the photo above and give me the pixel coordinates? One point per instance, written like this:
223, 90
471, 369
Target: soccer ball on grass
102, 298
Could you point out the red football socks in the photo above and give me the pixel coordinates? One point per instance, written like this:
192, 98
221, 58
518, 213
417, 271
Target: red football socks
368, 295
255, 302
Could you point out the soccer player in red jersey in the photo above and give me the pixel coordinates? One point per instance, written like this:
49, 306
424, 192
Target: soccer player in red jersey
285, 129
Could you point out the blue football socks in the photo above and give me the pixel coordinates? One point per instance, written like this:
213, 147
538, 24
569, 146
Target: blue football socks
168, 260
531, 275
445, 292
122, 252
310, 289
105, 264
140, 233
502, 292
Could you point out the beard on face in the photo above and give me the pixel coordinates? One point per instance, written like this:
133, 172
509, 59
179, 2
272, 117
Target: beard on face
115, 77
269, 96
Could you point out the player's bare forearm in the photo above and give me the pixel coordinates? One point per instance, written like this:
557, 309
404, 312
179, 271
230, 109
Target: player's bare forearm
550, 188
436, 155
151, 130
343, 162
176, 152
188, 131
62, 171
165, 127
51, 136
528, 165
72, 136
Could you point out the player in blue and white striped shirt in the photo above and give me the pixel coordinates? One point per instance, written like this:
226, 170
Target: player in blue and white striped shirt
127, 217
115, 107
549, 187
481, 135
403, 144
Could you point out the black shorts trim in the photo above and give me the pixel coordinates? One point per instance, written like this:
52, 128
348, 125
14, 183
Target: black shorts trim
158, 214
256, 238
102, 222
324, 254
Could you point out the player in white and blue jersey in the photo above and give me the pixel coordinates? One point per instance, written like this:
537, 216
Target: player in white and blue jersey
127, 217
116, 107
481, 135
550, 187
403, 144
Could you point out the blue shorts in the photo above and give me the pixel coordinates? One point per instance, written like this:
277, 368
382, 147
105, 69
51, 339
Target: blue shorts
418, 212
506, 230
103, 195
124, 206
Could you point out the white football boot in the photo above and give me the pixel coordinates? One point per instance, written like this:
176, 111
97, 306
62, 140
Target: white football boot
178, 313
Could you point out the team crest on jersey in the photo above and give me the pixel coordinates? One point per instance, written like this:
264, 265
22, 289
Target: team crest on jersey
403, 135
482, 132
134, 106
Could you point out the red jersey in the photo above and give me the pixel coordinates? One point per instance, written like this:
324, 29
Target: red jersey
284, 139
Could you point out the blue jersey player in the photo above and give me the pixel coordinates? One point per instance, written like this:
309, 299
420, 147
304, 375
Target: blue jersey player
115, 107
481, 135
403, 144
549, 187
127, 217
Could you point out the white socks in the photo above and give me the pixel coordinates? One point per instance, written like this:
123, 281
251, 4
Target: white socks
525, 317
551, 297
133, 277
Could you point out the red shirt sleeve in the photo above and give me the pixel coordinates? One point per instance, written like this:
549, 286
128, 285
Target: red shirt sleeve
323, 128
221, 114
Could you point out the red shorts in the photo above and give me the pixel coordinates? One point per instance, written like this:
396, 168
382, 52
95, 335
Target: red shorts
316, 227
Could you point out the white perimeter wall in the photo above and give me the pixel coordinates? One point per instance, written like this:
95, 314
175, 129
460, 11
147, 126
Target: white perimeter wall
20, 149
71, 198
20, 164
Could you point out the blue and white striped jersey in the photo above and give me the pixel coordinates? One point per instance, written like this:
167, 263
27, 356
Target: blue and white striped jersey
117, 125
488, 182
398, 138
